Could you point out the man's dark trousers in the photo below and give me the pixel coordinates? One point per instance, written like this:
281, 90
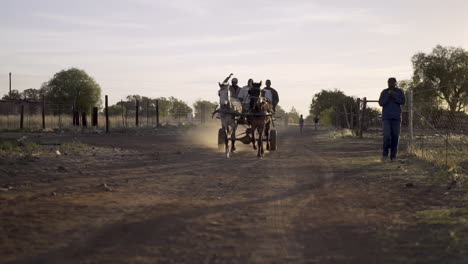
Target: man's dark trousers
391, 129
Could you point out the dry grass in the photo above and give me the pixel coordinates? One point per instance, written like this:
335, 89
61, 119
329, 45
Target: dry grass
442, 155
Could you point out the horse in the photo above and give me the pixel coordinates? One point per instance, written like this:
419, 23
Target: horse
228, 108
260, 119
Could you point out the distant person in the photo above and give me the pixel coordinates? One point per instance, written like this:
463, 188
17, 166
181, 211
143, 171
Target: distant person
391, 100
316, 121
271, 94
301, 123
243, 95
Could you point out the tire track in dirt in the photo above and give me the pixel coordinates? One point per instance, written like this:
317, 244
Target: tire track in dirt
298, 148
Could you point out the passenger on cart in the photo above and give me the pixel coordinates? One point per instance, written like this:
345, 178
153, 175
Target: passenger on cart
234, 88
244, 96
270, 94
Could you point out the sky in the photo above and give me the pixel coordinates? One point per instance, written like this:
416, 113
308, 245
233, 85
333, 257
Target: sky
183, 48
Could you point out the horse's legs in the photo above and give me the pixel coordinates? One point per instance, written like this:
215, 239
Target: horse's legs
226, 140
253, 138
233, 137
260, 142
267, 136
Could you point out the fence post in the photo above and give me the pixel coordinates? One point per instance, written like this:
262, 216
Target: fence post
43, 112
410, 116
9, 94
22, 116
84, 121
137, 108
94, 118
73, 114
157, 113
346, 116
107, 115
147, 112
60, 116
363, 116
122, 106
358, 116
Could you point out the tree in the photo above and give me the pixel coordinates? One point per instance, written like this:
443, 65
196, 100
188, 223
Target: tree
293, 116
328, 99
209, 107
280, 112
445, 70
13, 95
425, 97
73, 86
334, 107
179, 108
31, 94
164, 106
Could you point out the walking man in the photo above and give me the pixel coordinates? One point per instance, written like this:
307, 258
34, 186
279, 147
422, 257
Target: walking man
301, 123
391, 100
316, 120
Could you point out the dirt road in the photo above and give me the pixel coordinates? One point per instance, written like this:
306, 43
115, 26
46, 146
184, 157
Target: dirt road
174, 198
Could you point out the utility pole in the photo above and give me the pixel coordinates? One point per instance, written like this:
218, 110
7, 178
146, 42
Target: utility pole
9, 94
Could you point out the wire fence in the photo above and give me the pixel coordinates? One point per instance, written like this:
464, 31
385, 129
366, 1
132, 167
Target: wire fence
34, 115
429, 131
441, 137
29, 115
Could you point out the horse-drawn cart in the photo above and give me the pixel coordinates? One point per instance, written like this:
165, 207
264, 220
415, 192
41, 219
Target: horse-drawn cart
246, 136
256, 117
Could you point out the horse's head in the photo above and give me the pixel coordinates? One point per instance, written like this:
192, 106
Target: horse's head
255, 89
224, 95
255, 97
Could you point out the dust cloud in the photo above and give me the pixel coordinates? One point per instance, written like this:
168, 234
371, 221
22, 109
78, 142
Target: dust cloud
207, 136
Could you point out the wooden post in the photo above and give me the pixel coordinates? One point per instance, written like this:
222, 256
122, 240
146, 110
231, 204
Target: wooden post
346, 116
410, 116
107, 115
22, 116
363, 116
43, 112
84, 121
147, 112
94, 118
358, 115
137, 112
157, 113
60, 116
76, 117
122, 106
73, 115
9, 94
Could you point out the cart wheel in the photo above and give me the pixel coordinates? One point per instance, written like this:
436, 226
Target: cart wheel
221, 138
273, 140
